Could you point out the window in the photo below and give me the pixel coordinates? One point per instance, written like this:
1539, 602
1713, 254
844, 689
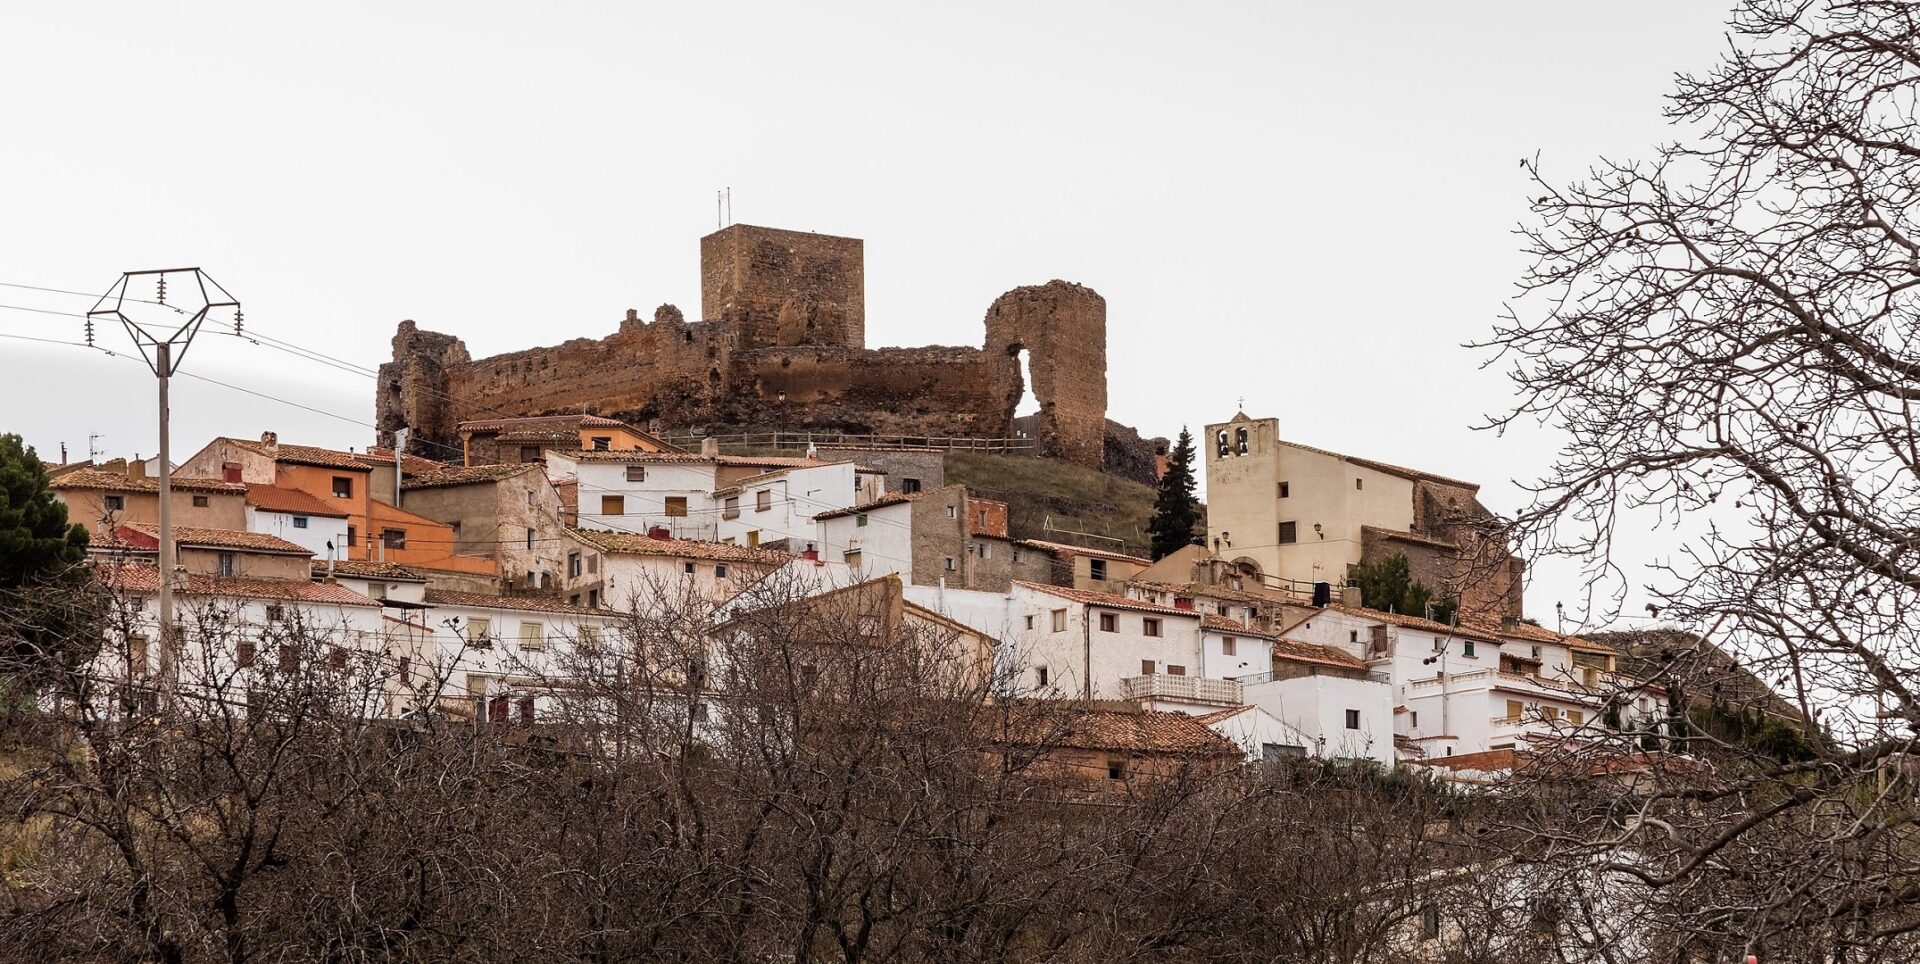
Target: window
1109, 623
1353, 719
1413, 718
1040, 674
1550, 712
1353, 635
1439, 645
1116, 769
289, 658
573, 565
986, 551
593, 564
114, 503
299, 522
1150, 626
1536, 652
613, 505
949, 561
593, 598
1220, 608
1283, 490
720, 572
1357, 483
1016, 555
676, 507
953, 512
479, 631
230, 472
1226, 646
852, 558
1097, 569
687, 567
1430, 923
909, 486
532, 637
377, 590
276, 613
1059, 620
199, 501
860, 521
342, 487
1513, 710
393, 538
529, 539
983, 519
601, 443
337, 658
525, 705
1239, 441
730, 509
136, 656
753, 539
226, 564
1030, 620
1576, 717
1289, 533
1174, 669
636, 473
763, 500
1220, 444
243, 653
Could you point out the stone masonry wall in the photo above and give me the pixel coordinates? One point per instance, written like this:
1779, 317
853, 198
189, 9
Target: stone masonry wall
1062, 327
785, 287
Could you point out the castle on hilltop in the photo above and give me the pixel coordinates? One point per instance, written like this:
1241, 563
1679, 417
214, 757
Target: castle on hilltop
782, 345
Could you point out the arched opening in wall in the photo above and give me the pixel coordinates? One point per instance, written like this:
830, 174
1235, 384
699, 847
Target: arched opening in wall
1025, 411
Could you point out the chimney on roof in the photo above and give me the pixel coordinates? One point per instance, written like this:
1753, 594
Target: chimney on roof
1350, 597
136, 469
271, 442
1509, 623
811, 555
709, 446
659, 532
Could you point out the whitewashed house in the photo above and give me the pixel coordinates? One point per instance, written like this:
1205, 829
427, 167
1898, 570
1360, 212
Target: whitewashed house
299, 518
779, 505
500, 659
1080, 644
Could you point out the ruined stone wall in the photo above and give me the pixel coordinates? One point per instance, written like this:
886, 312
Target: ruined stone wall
1062, 328
785, 287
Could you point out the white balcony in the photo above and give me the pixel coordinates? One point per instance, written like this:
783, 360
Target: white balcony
1184, 689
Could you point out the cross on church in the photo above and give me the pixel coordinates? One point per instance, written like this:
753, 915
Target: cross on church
1243, 403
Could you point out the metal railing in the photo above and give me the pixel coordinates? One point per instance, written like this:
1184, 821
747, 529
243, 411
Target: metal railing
841, 440
1196, 689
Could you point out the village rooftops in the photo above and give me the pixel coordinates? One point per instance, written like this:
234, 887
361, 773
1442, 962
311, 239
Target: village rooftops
773, 474
144, 578
1528, 632
1117, 730
272, 498
1110, 601
1295, 651
1412, 622
357, 569
891, 498
1219, 623
146, 536
1062, 549
302, 454
627, 543
118, 482
468, 475
531, 604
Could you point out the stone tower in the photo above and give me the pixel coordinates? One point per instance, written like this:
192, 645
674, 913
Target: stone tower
1062, 327
780, 288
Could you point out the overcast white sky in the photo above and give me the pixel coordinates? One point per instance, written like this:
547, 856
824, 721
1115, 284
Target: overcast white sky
1308, 205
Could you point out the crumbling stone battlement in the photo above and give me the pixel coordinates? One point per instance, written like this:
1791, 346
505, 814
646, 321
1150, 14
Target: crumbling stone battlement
783, 344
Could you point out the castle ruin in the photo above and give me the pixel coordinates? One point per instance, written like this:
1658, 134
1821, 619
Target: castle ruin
782, 345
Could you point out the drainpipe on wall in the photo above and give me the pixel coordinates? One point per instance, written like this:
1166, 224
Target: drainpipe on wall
1086, 630
399, 446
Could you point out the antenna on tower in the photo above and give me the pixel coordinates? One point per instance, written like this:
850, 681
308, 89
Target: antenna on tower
729, 196
93, 448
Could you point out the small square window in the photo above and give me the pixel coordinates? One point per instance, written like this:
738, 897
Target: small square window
953, 512
394, 538
1146, 667
1030, 620
636, 473
852, 558
613, 505
1040, 674
1283, 490
1097, 569
1059, 620
299, 522
1116, 769
1150, 626
909, 486
114, 503
1358, 483
860, 521
1288, 533
601, 443
1227, 646
763, 500
676, 506
342, 487
226, 564
1466, 647
720, 572
1176, 670
199, 501
1353, 719
1109, 623
949, 562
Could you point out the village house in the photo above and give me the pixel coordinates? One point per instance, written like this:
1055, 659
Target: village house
501, 441
1342, 706
649, 574
499, 659
940, 536
1292, 516
1193, 576
1261, 736
1078, 644
298, 517
777, 507
1103, 751
510, 513
104, 500
1090, 570
640, 491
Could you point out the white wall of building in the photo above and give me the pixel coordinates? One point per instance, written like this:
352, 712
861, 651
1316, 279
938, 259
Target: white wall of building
884, 542
1081, 659
1319, 707
1255, 730
311, 532
782, 505
646, 499
1251, 654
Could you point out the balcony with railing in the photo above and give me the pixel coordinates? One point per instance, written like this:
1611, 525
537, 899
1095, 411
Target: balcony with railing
1184, 689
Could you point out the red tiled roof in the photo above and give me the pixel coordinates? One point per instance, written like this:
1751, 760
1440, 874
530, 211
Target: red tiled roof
271, 498
891, 498
1062, 549
1401, 535
1294, 650
532, 604
303, 454
1108, 600
468, 475
142, 578
619, 543
144, 535
357, 569
1134, 731
409, 463
1540, 634
1416, 622
1215, 621
118, 482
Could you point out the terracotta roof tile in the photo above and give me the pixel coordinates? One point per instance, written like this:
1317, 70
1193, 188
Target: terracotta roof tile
1541, 634
142, 535
891, 498
118, 482
619, 543
141, 578
1215, 621
1294, 650
303, 454
359, 569
1136, 731
270, 498
1109, 600
1062, 549
532, 604
468, 475
1416, 622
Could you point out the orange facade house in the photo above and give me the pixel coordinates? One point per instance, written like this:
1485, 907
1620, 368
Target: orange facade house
104, 500
504, 440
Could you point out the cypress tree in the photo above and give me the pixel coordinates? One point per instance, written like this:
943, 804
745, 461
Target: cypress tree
1176, 509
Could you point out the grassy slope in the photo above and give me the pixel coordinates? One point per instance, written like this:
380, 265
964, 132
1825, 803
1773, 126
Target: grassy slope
1076, 498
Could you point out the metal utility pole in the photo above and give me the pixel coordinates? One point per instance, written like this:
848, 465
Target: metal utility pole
163, 344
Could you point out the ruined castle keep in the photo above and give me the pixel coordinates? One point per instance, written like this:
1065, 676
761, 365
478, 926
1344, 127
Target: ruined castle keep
782, 344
